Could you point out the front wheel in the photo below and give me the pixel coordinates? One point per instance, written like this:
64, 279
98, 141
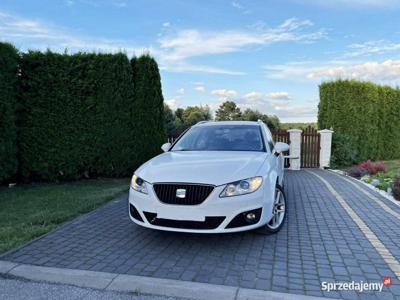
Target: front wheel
278, 213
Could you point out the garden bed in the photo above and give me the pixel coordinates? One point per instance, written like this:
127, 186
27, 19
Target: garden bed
384, 176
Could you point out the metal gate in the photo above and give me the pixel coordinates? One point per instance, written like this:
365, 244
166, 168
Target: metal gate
280, 135
310, 147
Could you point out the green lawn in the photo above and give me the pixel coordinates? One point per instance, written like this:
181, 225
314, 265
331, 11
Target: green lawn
28, 211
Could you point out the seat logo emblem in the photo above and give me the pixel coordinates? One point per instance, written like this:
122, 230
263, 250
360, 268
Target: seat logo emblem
181, 193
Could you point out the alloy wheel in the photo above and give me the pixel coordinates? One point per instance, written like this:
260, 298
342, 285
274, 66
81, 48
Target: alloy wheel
278, 211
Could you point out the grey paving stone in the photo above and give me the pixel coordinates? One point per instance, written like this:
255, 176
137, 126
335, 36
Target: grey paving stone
318, 242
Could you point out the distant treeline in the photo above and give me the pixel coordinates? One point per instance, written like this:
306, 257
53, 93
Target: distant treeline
181, 119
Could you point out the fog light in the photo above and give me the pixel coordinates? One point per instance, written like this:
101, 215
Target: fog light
250, 217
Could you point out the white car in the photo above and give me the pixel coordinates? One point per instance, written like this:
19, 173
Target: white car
217, 177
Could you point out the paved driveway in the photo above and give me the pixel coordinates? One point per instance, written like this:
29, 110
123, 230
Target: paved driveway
324, 239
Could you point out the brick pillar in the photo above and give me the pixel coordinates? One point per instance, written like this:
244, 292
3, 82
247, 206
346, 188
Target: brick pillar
295, 148
325, 150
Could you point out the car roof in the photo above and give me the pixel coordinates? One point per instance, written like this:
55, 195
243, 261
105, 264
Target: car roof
218, 123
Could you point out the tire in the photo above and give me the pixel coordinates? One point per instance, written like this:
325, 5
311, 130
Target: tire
272, 226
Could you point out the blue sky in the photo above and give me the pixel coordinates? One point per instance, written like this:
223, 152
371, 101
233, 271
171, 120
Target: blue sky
266, 55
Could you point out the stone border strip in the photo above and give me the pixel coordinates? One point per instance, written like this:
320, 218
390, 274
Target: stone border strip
390, 260
376, 199
141, 284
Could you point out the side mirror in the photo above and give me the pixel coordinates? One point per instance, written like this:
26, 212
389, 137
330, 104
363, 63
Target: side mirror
281, 147
165, 147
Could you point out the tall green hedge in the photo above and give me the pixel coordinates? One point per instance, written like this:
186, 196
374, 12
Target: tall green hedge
150, 118
79, 116
364, 111
8, 135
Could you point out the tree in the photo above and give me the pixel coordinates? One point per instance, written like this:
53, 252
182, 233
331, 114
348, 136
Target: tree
181, 119
254, 115
169, 118
195, 114
251, 115
179, 114
273, 122
228, 111
149, 116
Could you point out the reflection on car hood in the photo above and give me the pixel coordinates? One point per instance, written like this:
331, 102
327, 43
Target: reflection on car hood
209, 167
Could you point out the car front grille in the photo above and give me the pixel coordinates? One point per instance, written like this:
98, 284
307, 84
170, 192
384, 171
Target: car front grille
195, 193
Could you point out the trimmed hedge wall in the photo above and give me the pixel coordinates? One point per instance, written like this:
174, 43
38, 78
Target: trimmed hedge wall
150, 117
366, 112
8, 133
87, 115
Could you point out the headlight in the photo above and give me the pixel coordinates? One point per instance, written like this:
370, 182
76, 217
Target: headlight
241, 187
138, 184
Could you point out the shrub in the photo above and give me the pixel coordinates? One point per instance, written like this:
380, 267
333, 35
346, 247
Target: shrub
8, 133
379, 167
384, 181
373, 168
357, 172
344, 151
396, 188
366, 112
368, 168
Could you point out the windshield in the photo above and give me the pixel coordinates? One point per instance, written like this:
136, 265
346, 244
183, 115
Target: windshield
221, 138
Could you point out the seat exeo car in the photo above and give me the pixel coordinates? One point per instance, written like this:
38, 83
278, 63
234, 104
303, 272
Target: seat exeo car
217, 177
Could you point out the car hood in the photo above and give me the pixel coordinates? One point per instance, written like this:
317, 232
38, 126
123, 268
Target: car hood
208, 167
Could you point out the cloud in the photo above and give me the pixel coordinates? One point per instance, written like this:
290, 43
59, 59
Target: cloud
181, 91
166, 24
28, 34
174, 53
240, 7
277, 103
387, 71
279, 96
172, 103
224, 93
200, 88
237, 5
33, 34
273, 103
372, 47
279, 99
252, 99
185, 67
191, 43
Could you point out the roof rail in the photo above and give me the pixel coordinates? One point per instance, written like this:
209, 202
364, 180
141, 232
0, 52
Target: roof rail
260, 121
201, 122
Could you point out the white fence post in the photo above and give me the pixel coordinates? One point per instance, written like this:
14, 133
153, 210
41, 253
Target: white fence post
325, 151
295, 148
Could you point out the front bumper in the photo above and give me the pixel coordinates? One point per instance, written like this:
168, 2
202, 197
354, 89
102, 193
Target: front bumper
214, 215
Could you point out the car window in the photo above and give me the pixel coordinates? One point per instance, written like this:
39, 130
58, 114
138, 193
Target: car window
221, 138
